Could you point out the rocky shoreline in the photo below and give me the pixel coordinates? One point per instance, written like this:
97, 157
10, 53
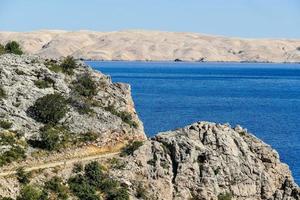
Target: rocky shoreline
203, 160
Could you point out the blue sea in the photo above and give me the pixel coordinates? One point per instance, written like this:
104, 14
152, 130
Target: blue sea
264, 98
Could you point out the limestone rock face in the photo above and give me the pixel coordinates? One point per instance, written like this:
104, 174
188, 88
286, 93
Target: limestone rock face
18, 76
154, 45
209, 161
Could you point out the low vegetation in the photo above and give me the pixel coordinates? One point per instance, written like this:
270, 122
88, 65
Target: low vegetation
116, 163
82, 105
49, 109
56, 189
85, 86
44, 83
53, 66
30, 192
298, 48
52, 137
14, 48
141, 192
131, 148
225, 196
15, 148
125, 116
5, 124
2, 49
22, 176
68, 65
88, 136
13, 154
2, 93
95, 184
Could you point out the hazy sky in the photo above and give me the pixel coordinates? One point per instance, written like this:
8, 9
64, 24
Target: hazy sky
243, 18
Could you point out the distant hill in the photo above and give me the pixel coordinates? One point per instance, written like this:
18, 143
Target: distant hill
154, 46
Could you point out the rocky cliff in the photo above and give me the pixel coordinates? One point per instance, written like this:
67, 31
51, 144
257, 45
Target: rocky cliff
154, 45
208, 161
30, 86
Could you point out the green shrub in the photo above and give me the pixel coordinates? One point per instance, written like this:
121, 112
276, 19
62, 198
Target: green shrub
7, 139
44, 83
77, 168
2, 49
2, 93
94, 181
141, 192
54, 137
85, 86
48, 109
131, 148
225, 196
81, 105
118, 194
116, 163
56, 186
93, 173
82, 189
53, 66
30, 192
22, 176
68, 65
5, 124
6, 198
14, 154
13, 47
89, 137
125, 116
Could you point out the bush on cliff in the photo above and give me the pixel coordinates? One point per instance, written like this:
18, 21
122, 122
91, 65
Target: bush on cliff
56, 186
44, 83
13, 47
2, 49
22, 176
5, 124
125, 116
52, 138
85, 86
131, 148
94, 182
68, 65
30, 192
2, 93
13, 154
225, 196
48, 109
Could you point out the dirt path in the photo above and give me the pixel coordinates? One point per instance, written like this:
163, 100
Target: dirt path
60, 163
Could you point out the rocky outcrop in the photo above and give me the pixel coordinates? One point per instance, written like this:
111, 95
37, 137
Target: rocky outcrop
154, 45
21, 78
208, 161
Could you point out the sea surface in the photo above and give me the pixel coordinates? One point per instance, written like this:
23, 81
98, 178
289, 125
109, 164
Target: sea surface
264, 98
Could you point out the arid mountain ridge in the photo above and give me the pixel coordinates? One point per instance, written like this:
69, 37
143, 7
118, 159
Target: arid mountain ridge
154, 46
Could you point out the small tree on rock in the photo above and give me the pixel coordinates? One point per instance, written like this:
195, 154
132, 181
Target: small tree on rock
13, 47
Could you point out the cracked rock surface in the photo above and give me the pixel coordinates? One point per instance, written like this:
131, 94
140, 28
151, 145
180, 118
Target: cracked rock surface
206, 160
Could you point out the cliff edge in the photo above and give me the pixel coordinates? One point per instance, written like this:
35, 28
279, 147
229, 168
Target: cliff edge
209, 161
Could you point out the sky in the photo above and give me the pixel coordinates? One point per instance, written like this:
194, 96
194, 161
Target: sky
236, 18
